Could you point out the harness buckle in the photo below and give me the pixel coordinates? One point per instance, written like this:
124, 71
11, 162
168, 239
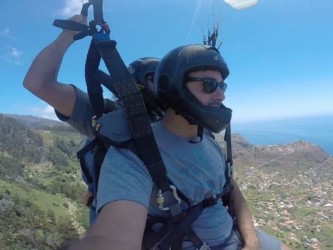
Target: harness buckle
95, 124
211, 201
169, 200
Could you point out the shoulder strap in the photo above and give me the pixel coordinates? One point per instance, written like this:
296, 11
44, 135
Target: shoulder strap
226, 198
122, 84
80, 155
139, 124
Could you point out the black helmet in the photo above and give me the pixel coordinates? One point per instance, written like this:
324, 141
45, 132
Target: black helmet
141, 70
171, 90
143, 67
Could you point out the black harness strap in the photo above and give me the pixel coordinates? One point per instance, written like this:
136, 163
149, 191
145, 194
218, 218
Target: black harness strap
172, 232
227, 189
170, 236
139, 123
227, 138
94, 88
107, 81
80, 155
98, 154
102, 47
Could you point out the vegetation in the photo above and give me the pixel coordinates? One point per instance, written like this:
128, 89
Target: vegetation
287, 187
40, 186
33, 219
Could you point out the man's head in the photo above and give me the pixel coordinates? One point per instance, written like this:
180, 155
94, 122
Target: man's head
142, 71
189, 79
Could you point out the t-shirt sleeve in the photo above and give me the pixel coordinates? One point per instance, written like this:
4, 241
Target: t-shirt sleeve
81, 116
123, 176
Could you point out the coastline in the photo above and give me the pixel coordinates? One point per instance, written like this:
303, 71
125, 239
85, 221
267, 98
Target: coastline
315, 130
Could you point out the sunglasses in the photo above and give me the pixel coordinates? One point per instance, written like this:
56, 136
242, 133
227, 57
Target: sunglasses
209, 84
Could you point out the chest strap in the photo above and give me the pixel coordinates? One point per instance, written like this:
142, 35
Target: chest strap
175, 228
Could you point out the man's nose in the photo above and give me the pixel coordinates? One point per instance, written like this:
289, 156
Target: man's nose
219, 94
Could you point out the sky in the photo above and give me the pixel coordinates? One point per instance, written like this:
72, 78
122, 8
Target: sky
280, 53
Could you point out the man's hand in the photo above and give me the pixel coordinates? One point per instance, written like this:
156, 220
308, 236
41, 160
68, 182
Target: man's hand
244, 221
88, 199
78, 19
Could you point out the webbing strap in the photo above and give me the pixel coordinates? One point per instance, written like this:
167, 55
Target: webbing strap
106, 81
122, 84
80, 155
98, 10
94, 88
85, 171
98, 160
228, 173
183, 227
85, 30
227, 138
136, 112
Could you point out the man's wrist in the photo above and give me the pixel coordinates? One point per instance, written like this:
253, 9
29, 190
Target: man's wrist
67, 36
252, 243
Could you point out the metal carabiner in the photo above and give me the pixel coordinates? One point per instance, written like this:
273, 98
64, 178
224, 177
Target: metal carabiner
161, 199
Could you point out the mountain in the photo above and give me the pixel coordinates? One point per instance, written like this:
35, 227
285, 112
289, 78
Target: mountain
288, 187
40, 185
289, 190
34, 122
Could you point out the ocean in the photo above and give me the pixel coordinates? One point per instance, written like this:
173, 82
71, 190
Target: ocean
316, 130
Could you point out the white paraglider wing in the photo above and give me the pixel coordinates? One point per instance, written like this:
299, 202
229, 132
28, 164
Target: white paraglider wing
241, 4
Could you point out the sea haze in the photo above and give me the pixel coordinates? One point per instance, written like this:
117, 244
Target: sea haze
316, 130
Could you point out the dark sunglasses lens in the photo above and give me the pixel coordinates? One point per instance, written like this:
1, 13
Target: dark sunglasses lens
223, 86
209, 85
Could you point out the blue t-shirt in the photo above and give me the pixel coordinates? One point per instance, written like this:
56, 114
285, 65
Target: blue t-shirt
196, 169
81, 116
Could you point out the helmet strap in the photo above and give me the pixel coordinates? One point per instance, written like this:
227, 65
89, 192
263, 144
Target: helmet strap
199, 135
191, 121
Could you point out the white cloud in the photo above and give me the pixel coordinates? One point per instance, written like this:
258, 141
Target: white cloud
15, 53
12, 56
6, 33
45, 112
72, 7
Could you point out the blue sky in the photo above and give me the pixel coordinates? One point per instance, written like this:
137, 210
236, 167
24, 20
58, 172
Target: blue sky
280, 53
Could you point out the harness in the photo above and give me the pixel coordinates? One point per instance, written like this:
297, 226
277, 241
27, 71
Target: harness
178, 225
142, 142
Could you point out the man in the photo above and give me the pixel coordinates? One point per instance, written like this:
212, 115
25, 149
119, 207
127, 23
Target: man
189, 81
72, 105
41, 80
142, 71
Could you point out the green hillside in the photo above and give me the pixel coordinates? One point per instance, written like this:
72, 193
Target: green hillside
288, 187
40, 185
